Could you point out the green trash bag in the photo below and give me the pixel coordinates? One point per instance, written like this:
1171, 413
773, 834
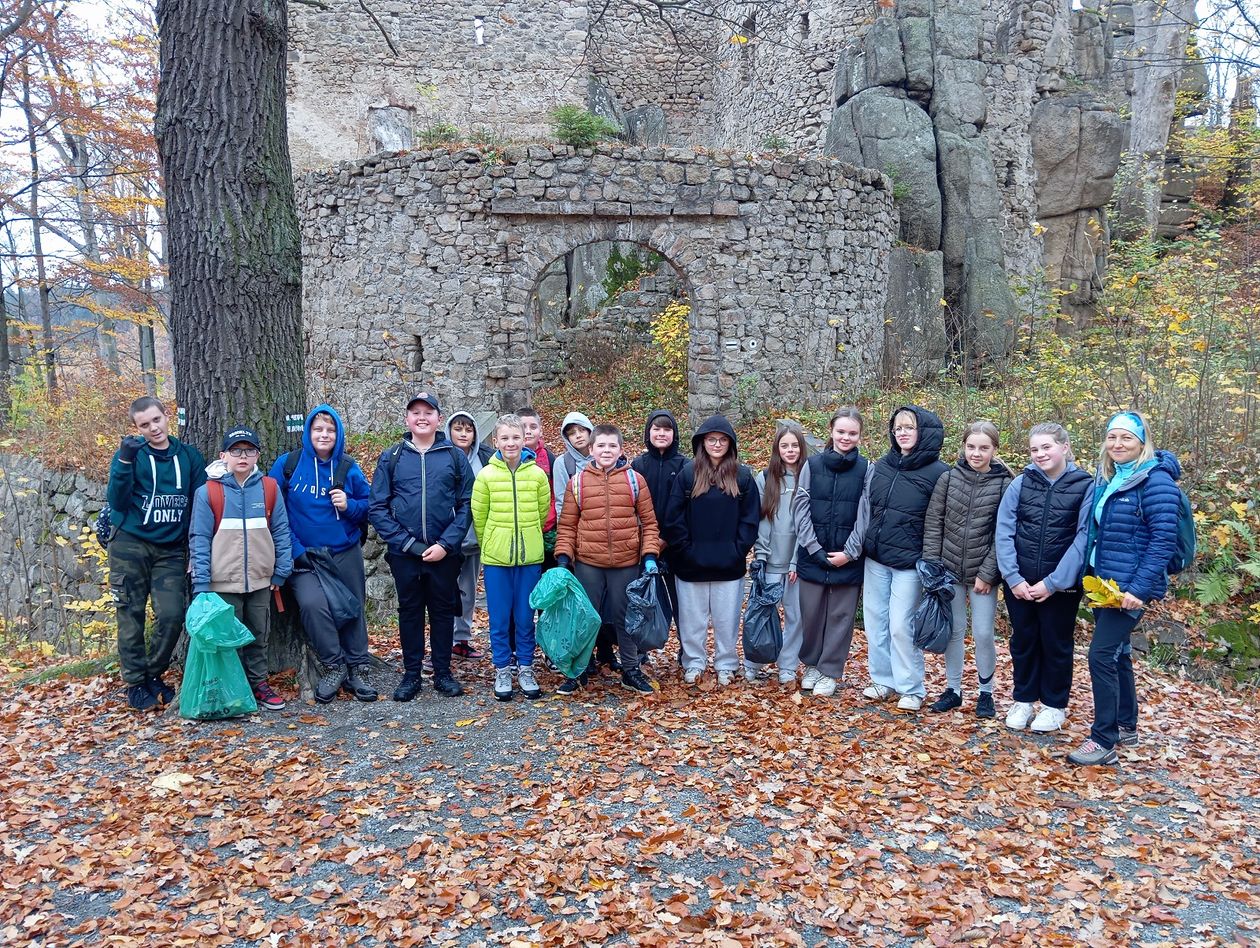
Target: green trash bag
568, 625
214, 684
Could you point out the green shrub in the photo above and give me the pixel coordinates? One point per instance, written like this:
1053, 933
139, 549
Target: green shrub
574, 125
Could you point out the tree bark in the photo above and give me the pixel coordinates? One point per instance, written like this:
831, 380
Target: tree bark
234, 247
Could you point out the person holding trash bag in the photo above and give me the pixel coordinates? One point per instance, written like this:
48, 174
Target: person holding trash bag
215, 685
1136, 514
710, 525
933, 621
326, 497
659, 464
901, 485
567, 628
958, 533
830, 526
607, 528
776, 545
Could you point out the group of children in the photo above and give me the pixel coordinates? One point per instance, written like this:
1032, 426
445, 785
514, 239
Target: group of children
832, 527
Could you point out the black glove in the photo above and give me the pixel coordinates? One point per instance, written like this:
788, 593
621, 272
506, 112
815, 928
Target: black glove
564, 562
129, 448
821, 557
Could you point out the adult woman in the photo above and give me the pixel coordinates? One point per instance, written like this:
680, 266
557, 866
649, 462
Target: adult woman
1133, 534
710, 524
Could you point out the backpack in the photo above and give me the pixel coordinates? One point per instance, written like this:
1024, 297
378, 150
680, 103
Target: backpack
340, 473
214, 494
1187, 543
630, 476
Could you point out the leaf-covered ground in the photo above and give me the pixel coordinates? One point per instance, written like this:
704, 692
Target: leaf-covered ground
740, 816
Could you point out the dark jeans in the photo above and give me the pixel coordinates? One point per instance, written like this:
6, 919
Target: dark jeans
606, 589
426, 587
140, 571
1041, 646
1111, 675
333, 646
254, 610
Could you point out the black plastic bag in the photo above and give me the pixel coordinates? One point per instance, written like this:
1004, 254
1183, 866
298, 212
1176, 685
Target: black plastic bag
647, 616
763, 630
934, 619
343, 605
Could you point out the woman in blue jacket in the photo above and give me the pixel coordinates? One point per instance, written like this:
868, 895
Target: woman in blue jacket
326, 496
1134, 536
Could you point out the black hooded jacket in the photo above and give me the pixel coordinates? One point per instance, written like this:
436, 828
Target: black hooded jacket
659, 468
901, 487
710, 536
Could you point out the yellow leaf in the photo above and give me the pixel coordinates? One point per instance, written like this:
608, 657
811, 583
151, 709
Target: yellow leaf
1102, 593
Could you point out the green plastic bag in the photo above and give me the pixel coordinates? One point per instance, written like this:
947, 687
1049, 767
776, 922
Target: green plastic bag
568, 625
214, 684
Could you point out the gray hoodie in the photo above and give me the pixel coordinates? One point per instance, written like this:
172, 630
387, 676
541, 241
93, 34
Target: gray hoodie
560, 468
776, 539
477, 458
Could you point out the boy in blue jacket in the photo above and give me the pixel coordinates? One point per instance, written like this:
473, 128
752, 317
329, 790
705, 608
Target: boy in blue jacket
326, 499
241, 548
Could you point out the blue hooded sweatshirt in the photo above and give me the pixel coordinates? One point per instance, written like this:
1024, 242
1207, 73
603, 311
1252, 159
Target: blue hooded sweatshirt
313, 520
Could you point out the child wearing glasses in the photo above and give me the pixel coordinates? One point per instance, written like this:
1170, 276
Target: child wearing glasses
241, 548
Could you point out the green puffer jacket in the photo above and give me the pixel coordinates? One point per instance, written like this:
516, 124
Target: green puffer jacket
509, 509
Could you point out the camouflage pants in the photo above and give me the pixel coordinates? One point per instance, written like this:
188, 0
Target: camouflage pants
138, 571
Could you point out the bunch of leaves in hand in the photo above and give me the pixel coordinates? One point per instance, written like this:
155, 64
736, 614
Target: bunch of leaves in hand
1102, 593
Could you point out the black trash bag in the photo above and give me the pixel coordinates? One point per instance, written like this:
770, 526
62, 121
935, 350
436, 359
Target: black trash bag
763, 630
647, 615
934, 619
343, 605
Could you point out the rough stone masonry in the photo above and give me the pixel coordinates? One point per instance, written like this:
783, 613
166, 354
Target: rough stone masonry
426, 265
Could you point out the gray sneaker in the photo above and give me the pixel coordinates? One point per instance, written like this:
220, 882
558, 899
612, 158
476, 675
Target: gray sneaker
529, 684
1127, 738
503, 683
1092, 754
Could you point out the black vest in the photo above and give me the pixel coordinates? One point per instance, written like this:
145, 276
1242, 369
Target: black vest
1045, 521
835, 489
899, 502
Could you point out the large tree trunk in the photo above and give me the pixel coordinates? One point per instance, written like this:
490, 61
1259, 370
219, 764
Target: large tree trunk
234, 253
233, 244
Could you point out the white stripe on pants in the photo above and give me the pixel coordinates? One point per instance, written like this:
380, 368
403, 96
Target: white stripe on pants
790, 654
697, 603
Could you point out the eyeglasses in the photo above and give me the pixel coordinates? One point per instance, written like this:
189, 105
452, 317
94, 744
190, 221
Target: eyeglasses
902, 429
717, 441
243, 452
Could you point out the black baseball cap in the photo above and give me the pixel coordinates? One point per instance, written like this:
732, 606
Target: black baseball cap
428, 399
241, 435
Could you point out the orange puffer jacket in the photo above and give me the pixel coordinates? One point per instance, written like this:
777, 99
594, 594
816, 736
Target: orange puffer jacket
602, 530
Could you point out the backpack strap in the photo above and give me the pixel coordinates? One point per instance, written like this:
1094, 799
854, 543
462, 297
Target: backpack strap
214, 494
342, 472
576, 481
290, 465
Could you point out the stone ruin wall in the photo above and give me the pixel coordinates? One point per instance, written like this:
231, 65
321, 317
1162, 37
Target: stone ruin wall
347, 90
424, 266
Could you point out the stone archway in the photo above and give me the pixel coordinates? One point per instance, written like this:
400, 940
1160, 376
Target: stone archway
419, 269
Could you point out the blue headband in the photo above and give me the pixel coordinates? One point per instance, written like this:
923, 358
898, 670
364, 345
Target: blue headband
1128, 421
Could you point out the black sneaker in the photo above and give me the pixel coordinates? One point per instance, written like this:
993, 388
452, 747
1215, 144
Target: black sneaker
635, 680
330, 683
359, 685
447, 685
408, 688
948, 701
140, 698
161, 690
570, 686
984, 705
610, 662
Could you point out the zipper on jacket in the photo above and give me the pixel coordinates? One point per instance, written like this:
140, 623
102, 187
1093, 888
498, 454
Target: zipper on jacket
971, 496
424, 499
1041, 539
244, 531
887, 501
516, 522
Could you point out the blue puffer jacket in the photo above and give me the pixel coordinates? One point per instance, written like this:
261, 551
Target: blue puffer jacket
1136, 535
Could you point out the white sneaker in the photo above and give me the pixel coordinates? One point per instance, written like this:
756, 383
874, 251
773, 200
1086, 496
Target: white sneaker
1049, 720
877, 692
692, 675
909, 703
1020, 714
724, 678
751, 673
812, 677
787, 678
825, 688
